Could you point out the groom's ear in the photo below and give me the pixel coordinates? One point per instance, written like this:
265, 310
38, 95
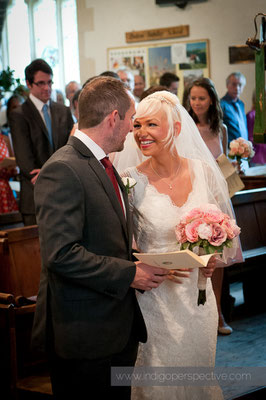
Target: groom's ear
177, 126
113, 117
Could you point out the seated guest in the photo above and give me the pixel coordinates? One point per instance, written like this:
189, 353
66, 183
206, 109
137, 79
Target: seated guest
171, 81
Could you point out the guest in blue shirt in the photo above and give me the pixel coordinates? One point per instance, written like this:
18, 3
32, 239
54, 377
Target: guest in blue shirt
233, 108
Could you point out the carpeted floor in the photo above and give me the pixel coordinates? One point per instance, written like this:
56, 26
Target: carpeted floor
245, 347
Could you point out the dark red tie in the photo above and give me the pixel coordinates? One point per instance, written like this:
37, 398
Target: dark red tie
110, 172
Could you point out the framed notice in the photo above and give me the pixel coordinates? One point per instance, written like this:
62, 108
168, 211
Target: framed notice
187, 59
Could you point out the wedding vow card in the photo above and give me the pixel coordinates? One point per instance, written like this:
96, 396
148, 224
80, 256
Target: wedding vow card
232, 178
174, 259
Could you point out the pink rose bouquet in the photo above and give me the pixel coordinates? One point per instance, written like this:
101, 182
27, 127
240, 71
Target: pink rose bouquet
205, 230
241, 149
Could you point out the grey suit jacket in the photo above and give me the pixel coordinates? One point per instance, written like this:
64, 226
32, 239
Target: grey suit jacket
85, 306
31, 145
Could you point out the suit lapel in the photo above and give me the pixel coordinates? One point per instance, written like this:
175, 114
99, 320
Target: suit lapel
105, 180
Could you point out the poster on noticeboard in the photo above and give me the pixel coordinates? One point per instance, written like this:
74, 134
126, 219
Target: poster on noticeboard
188, 60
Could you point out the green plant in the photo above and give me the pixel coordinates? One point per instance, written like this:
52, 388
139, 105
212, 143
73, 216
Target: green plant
8, 82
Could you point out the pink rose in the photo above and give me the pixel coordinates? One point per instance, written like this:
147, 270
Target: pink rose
196, 213
205, 231
213, 216
241, 150
218, 235
235, 228
228, 228
234, 146
191, 231
180, 233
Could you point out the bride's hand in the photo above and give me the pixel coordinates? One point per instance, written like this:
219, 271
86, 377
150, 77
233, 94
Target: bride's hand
175, 275
208, 270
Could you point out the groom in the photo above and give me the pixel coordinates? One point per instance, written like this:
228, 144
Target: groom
87, 317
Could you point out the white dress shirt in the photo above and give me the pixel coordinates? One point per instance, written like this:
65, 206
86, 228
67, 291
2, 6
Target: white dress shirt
97, 151
39, 105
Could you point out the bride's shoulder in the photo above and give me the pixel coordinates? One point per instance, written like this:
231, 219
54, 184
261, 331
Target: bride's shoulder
143, 168
128, 172
195, 163
135, 172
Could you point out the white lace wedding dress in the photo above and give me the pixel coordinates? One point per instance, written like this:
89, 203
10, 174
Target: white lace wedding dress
180, 333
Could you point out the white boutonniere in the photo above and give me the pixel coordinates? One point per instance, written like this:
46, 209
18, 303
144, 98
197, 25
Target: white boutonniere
129, 183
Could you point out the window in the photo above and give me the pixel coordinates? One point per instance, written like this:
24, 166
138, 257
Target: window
42, 29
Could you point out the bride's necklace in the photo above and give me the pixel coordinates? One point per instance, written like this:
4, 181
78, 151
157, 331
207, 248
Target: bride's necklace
169, 185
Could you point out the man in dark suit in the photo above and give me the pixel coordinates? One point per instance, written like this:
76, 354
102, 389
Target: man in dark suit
87, 316
38, 127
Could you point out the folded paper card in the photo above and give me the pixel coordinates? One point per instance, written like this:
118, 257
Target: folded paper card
174, 259
229, 172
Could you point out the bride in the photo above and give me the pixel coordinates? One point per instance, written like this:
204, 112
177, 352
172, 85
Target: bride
178, 175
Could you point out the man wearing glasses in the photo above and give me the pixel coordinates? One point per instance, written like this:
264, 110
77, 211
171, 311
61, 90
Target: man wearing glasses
38, 127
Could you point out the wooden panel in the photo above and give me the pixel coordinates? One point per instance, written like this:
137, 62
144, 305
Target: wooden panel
11, 218
260, 208
252, 182
20, 261
17, 234
246, 218
249, 196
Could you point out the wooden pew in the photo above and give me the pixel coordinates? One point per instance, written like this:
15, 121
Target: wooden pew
250, 210
11, 220
20, 261
22, 372
20, 266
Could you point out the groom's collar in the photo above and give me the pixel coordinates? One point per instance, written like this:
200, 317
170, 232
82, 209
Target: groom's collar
96, 150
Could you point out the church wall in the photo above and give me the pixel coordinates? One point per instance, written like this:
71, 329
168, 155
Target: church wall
103, 23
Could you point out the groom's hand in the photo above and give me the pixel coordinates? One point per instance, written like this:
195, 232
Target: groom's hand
148, 277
